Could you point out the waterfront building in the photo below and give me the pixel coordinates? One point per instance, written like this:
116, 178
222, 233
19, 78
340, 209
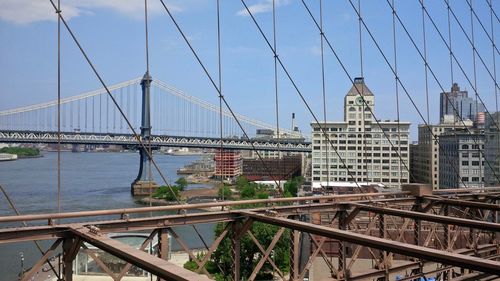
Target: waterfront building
457, 103
270, 169
364, 152
461, 163
492, 150
228, 164
425, 154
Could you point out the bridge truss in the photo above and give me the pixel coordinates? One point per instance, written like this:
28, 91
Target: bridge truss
156, 141
454, 235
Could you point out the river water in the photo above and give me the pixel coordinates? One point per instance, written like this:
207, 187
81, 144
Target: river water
89, 181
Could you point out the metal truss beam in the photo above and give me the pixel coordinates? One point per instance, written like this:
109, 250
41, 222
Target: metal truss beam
336, 199
488, 226
20, 234
156, 141
474, 263
463, 203
413, 265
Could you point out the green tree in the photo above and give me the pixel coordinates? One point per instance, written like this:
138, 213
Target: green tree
21, 151
225, 192
291, 187
163, 192
181, 183
248, 192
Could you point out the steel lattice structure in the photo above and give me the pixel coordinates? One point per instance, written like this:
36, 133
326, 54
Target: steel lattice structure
368, 225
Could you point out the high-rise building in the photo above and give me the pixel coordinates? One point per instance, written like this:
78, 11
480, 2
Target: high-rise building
461, 163
364, 152
457, 103
425, 154
492, 150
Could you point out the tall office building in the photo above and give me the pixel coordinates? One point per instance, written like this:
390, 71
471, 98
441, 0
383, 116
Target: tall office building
425, 154
461, 163
492, 150
364, 150
457, 103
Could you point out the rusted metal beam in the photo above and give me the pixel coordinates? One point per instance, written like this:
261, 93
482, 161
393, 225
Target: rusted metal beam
213, 247
263, 251
236, 247
488, 226
464, 203
147, 223
36, 267
30, 233
100, 263
264, 258
294, 254
177, 207
463, 261
143, 246
152, 264
185, 247
20, 234
412, 265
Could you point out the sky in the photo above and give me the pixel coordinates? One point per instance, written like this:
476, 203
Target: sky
112, 33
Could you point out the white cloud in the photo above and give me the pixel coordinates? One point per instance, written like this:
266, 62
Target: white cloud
29, 11
263, 6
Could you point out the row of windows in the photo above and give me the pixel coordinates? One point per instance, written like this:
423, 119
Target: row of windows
342, 129
318, 161
383, 180
334, 137
473, 163
370, 174
472, 179
359, 167
318, 148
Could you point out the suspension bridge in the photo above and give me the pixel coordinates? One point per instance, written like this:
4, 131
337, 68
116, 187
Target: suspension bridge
177, 120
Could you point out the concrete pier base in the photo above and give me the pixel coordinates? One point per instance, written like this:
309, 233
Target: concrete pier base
144, 188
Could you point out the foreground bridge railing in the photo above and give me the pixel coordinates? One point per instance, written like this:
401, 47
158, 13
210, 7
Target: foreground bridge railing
449, 234
157, 141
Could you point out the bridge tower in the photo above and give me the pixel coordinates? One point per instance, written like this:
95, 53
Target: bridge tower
143, 185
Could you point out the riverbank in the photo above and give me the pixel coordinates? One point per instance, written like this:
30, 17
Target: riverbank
195, 194
22, 152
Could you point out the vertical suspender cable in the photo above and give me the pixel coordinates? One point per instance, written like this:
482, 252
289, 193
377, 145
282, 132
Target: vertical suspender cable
323, 88
493, 49
276, 95
364, 164
425, 59
219, 69
396, 87
150, 178
59, 106
449, 43
481, 154
451, 74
